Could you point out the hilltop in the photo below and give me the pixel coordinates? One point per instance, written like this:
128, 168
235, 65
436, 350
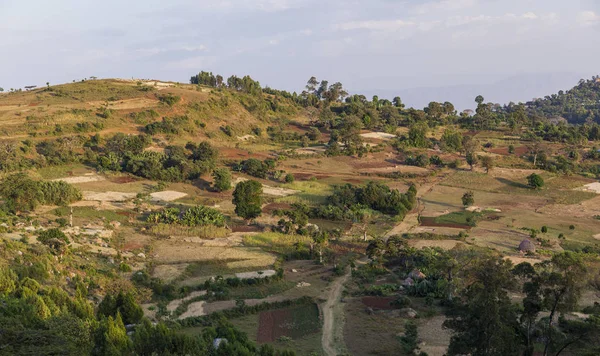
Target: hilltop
143, 217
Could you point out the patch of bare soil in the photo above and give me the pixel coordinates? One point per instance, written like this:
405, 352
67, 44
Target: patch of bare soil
591, 187
127, 104
434, 337
246, 137
378, 135
174, 304
108, 196
81, 179
317, 150
267, 189
194, 309
516, 260
444, 244
168, 273
167, 195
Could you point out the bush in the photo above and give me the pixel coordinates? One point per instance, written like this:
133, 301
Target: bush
535, 181
169, 99
221, 180
289, 178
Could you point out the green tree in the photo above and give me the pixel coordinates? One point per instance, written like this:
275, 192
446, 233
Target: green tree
487, 162
471, 159
111, 338
247, 198
535, 181
484, 320
468, 199
221, 179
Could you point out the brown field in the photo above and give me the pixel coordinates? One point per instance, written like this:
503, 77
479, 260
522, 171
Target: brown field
378, 303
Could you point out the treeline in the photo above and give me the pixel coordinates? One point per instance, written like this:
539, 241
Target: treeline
348, 201
21, 193
245, 84
475, 287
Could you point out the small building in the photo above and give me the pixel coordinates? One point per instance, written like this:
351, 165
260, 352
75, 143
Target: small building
416, 274
527, 246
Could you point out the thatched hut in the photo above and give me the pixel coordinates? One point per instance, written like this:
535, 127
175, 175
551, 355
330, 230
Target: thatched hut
527, 246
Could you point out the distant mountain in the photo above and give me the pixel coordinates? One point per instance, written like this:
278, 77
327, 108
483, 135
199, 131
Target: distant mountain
521, 88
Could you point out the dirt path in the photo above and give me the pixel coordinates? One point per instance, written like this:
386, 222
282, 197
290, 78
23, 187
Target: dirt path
333, 337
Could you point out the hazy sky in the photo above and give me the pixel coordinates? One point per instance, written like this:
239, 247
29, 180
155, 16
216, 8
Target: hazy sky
367, 45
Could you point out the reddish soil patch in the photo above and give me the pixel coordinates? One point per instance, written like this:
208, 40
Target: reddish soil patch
293, 322
270, 208
130, 246
380, 303
519, 151
123, 180
303, 176
129, 214
430, 221
245, 228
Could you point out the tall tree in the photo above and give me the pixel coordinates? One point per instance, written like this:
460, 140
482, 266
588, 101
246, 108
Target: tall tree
247, 199
484, 320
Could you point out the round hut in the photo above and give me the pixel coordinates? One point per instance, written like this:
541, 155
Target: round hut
526, 246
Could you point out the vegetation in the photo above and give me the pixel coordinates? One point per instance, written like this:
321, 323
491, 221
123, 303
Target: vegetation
127, 274
247, 199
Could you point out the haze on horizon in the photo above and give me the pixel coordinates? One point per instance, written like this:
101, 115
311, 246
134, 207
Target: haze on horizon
443, 50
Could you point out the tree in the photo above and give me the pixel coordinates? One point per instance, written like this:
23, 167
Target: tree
535, 181
484, 319
479, 99
398, 102
471, 159
111, 338
487, 162
221, 179
1, 89
468, 199
247, 199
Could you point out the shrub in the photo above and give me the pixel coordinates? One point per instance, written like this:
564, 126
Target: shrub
468, 199
535, 181
222, 180
289, 178
169, 99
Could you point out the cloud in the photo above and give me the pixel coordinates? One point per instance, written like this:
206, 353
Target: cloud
374, 25
445, 6
588, 18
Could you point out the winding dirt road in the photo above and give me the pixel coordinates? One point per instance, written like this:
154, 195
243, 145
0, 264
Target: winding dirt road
333, 319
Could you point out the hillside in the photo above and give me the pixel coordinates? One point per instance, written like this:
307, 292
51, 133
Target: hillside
579, 105
149, 217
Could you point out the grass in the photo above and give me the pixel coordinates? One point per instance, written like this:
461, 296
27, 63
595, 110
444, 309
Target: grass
312, 192
89, 213
55, 172
276, 242
212, 268
261, 291
205, 232
458, 217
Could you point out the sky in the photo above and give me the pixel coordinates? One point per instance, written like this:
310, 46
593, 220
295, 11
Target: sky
421, 49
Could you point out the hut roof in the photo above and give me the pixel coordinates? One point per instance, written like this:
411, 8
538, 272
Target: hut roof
526, 245
416, 274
